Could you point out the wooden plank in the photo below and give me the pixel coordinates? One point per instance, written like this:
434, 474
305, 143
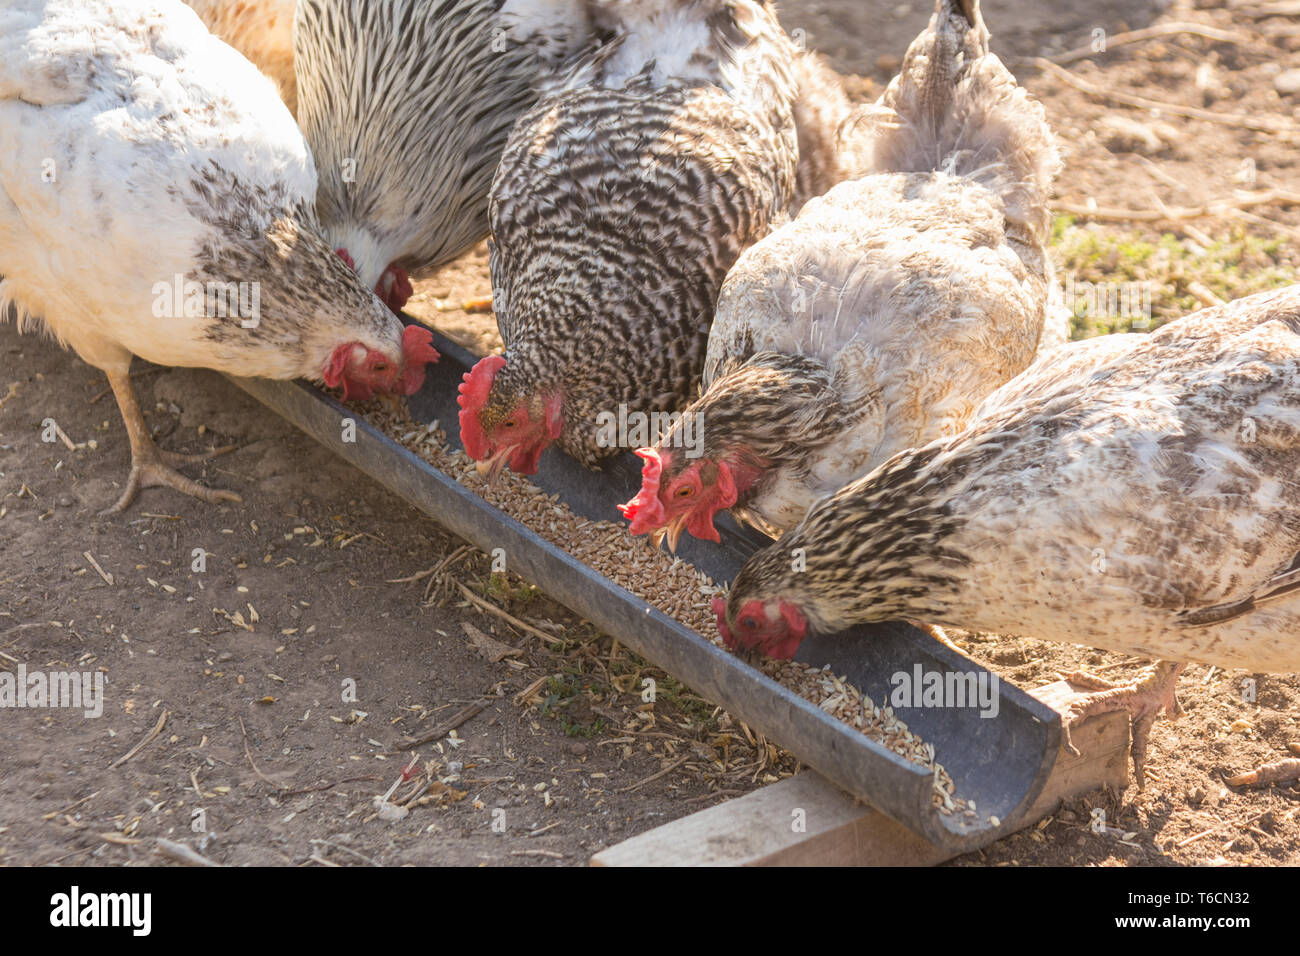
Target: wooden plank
759, 829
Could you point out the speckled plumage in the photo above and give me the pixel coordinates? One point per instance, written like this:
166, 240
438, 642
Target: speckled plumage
890, 307
624, 197
1135, 493
137, 149
171, 155
407, 105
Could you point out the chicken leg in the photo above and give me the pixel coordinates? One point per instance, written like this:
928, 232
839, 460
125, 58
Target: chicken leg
151, 467
1143, 699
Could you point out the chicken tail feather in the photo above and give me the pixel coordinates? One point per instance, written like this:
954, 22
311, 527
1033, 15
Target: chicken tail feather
955, 107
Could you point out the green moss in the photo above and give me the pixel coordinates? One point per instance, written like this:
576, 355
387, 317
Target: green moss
1113, 277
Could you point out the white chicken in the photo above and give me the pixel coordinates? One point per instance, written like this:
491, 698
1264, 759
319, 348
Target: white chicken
155, 200
885, 312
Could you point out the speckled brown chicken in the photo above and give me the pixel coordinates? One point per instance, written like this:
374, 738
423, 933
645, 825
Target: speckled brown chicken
1137, 493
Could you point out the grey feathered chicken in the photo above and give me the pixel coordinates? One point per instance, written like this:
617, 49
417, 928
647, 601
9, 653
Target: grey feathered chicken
407, 105
407, 145
886, 312
1135, 493
620, 203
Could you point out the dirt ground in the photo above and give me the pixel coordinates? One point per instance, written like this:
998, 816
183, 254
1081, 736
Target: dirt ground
251, 661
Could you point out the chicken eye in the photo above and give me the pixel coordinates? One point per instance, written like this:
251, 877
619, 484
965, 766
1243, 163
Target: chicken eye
381, 366
685, 491
509, 423
749, 623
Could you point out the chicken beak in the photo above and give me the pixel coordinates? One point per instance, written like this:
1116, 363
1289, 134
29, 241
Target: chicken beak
490, 468
675, 531
672, 531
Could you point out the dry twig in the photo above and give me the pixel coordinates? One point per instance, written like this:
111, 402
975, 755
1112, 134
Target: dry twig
1263, 124
157, 729
1151, 33
464, 715
508, 618
1216, 207
182, 853
654, 776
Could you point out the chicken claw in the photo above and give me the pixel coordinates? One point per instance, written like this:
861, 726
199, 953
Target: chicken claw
151, 467
1142, 699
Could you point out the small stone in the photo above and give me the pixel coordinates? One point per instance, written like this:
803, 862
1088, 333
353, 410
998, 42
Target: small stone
65, 501
1287, 83
1121, 134
225, 656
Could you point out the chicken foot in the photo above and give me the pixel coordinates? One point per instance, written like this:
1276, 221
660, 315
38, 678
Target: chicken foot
150, 466
1143, 699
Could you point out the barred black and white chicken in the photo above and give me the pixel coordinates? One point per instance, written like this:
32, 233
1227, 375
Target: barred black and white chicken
622, 200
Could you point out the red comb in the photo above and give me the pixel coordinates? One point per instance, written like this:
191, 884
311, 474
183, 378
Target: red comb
646, 511
720, 609
346, 257
417, 347
473, 396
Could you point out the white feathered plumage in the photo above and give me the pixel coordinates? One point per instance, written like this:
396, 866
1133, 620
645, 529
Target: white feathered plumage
155, 200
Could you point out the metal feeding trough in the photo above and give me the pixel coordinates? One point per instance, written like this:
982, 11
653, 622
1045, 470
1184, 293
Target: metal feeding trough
1001, 762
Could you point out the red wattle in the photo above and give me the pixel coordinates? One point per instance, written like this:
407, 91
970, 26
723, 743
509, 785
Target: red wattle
700, 525
720, 609
332, 373
399, 288
719, 605
417, 347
